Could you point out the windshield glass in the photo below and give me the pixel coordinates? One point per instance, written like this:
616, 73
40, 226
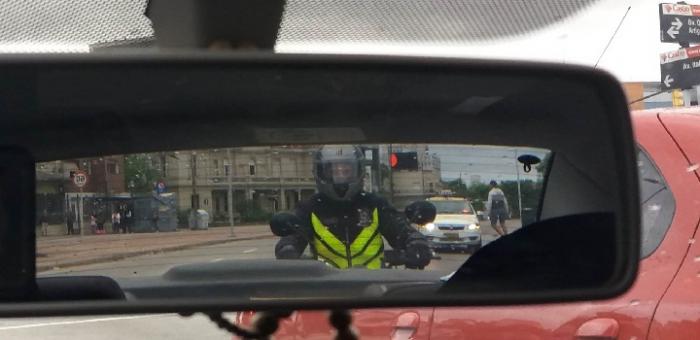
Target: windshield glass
452, 207
99, 215
143, 215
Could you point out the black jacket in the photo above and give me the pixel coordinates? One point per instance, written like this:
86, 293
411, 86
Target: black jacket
347, 219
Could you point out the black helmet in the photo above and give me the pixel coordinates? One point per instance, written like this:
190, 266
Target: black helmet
339, 171
493, 183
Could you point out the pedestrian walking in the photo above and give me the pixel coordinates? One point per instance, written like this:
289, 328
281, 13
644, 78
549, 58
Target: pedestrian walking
497, 209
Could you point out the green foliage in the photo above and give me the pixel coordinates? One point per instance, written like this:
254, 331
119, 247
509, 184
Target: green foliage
251, 211
542, 166
139, 171
478, 193
530, 191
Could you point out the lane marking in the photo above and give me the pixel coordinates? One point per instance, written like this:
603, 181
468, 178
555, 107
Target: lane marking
251, 250
75, 322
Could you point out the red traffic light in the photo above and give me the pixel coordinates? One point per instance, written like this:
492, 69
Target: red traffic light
404, 160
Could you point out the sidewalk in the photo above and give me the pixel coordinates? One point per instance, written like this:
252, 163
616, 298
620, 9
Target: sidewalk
55, 252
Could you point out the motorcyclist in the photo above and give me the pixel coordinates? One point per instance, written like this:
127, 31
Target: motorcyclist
343, 224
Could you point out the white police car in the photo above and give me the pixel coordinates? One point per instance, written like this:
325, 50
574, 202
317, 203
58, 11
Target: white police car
456, 226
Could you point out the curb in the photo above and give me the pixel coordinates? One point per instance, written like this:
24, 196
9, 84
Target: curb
121, 256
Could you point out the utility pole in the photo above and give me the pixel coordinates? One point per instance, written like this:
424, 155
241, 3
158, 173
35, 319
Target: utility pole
195, 197
378, 169
517, 174
107, 206
391, 177
104, 163
283, 198
80, 213
229, 197
422, 171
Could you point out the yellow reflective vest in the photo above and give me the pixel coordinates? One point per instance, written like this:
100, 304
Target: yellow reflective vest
366, 251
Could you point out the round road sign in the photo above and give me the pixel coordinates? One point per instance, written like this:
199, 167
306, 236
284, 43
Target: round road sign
80, 179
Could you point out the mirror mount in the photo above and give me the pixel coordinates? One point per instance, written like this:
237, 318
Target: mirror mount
528, 161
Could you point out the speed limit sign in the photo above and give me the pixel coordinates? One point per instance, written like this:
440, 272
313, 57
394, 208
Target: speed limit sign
80, 178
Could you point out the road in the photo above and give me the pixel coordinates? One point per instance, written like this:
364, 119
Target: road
162, 326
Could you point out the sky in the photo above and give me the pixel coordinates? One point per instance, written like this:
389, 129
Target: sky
488, 163
580, 39
632, 56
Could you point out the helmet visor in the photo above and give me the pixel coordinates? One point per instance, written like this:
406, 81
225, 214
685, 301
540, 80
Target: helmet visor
339, 172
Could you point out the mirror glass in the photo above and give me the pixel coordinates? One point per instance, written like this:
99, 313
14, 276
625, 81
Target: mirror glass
140, 215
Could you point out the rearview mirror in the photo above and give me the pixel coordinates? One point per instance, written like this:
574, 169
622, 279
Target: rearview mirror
239, 138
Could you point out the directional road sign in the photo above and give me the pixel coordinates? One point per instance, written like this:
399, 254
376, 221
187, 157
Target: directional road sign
680, 69
679, 23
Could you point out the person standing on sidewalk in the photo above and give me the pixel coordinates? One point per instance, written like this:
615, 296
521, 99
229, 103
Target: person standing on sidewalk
69, 223
93, 223
43, 221
497, 209
128, 220
118, 221
154, 219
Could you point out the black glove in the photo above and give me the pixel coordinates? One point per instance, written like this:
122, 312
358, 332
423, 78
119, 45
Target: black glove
418, 254
284, 224
287, 252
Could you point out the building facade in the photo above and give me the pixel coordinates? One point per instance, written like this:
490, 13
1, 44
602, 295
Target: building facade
275, 178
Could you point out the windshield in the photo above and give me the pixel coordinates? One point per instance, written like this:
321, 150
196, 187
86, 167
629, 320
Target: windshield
143, 215
452, 207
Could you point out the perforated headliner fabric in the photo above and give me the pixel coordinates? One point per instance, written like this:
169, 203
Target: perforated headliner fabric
71, 25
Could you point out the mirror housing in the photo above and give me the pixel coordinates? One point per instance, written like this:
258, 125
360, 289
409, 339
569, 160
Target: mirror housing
116, 102
420, 212
17, 224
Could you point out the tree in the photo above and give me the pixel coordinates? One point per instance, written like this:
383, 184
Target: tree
542, 166
458, 187
530, 190
139, 173
251, 211
478, 193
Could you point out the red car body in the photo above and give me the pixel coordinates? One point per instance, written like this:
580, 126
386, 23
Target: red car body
664, 302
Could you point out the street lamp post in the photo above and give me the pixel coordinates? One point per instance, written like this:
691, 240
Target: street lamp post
422, 173
517, 175
229, 197
391, 176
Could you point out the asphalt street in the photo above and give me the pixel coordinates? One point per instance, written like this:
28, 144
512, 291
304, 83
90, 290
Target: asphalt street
163, 326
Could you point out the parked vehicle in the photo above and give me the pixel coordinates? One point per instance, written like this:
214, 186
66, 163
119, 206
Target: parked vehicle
662, 304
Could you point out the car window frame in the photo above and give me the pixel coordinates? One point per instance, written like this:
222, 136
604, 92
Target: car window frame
643, 255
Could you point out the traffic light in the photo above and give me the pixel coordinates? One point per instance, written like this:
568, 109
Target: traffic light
404, 160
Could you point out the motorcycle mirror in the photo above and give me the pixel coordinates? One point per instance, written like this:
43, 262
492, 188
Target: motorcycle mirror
420, 212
